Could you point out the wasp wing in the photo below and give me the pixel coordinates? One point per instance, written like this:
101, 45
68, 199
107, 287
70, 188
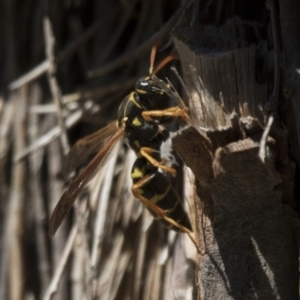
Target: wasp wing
87, 146
67, 199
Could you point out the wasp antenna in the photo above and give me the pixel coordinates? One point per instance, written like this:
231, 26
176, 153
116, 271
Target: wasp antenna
152, 58
164, 62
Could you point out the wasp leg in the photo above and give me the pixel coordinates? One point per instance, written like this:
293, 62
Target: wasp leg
175, 112
146, 152
161, 214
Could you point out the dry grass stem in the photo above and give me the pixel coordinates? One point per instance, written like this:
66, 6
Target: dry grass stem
48, 137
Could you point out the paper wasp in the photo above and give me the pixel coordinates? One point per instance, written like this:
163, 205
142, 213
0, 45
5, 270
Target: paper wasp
141, 125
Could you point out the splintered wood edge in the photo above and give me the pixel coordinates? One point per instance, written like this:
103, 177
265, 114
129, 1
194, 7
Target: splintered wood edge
247, 145
213, 100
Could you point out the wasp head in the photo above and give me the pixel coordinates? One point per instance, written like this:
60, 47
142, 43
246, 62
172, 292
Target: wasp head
146, 87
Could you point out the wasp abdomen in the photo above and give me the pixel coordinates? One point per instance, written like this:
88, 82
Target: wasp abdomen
158, 190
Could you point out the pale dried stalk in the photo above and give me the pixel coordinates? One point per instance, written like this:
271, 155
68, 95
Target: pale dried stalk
54, 191
16, 213
35, 161
48, 137
78, 271
30, 76
108, 271
102, 211
53, 287
5, 130
54, 87
139, 260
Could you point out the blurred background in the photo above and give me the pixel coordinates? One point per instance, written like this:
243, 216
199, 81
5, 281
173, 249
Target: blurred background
65, 66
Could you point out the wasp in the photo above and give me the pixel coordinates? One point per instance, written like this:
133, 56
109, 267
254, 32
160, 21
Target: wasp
142, 127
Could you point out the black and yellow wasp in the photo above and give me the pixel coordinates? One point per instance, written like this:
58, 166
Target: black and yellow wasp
141, 125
